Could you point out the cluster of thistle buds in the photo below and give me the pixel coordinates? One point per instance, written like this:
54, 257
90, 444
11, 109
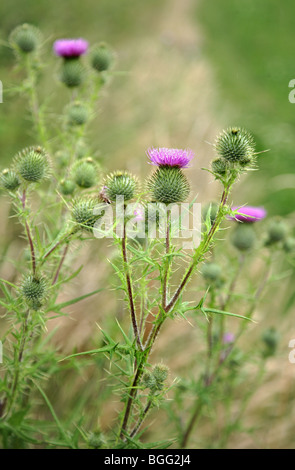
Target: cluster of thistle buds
31, 165
155, 379
236, 152
73, 71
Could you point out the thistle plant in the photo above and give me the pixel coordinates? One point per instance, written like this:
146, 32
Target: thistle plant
63, 196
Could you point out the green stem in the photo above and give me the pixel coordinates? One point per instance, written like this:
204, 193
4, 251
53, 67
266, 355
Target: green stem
22, 344
34, 103
130, 290
167, 260
201, 250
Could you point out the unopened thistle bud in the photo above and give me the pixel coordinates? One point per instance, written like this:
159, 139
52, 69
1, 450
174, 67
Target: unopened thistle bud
219, 166
72, 73
289, 244
9, 180
168, 184
96, 440
83, 213
77, 114
235, 145
67, 187
34, 290
101, 57
120, 184
270, 338
277, 231
211, 272
32, 164
243, 237
149, 381
25, 38
85, 173
160, 372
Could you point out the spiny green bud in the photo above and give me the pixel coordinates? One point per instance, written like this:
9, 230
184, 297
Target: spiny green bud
149, 381
168, 185
25, 38
83, 213
213, 207
67, 187
84, 173
120, 183
72, 73
96, 440
270, 338
32, 164
235, 145
277, 231
77, 114
160, 372
243, 237
101, 57
219, 166
289, 244
34, 290
211, 272
9, 180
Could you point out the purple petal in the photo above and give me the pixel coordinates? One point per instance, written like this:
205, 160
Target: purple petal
170, 157
248, 213
70, 47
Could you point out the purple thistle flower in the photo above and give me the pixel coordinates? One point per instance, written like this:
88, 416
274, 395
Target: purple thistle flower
228, 338
170, 157
70, 47
248, 214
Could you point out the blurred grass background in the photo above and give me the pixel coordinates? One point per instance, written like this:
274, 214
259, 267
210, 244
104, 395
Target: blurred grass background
185, 70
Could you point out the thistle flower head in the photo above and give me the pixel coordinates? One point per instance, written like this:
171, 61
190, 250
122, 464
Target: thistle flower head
77, 114
72, 73
168, 185
83, 213
120, 183
101, 57
235, 145
32, 164
289, 244
211, 272
85, 173
9, 180
228, 338
277, 231
25, 38
270, 338
67, 187
170, 157
219, 166
243, 237
34, 290
248, 214
69, 48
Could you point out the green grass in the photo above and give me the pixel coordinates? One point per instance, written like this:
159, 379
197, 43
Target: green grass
251, 47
